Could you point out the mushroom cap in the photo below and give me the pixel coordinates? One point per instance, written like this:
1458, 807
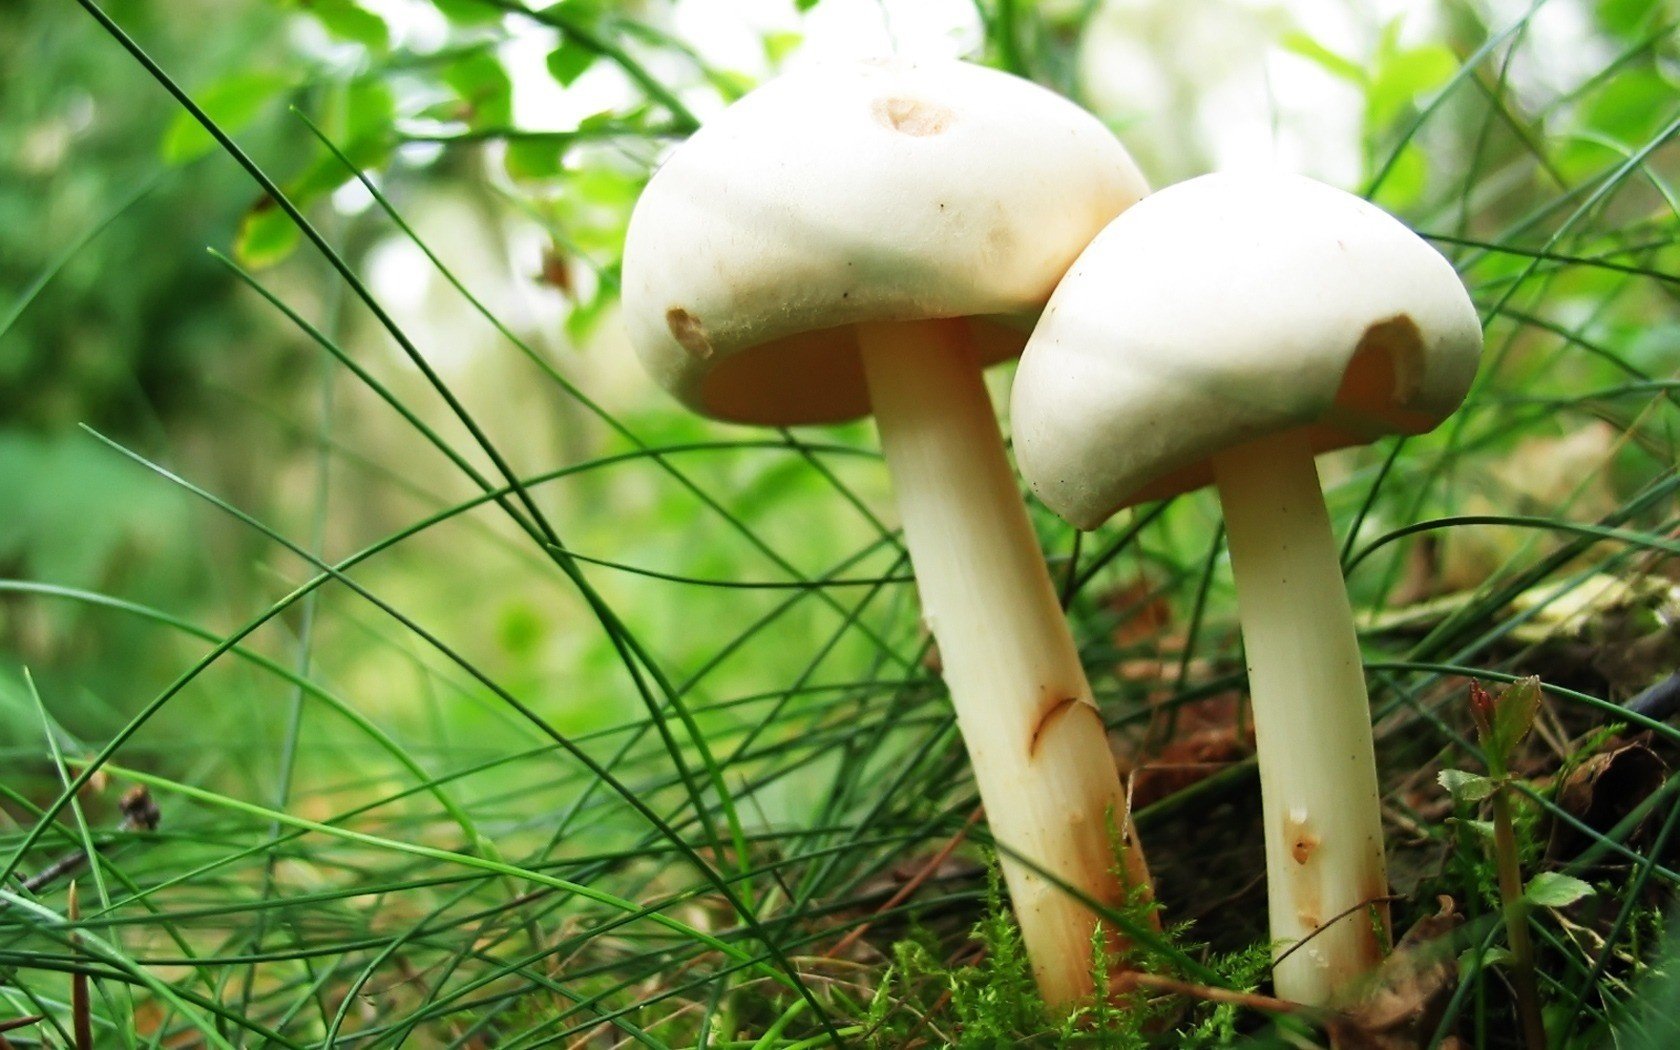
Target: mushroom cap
1225, 309
852, 193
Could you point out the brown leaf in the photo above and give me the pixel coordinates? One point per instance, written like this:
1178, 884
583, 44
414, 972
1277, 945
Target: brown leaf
1143, 612
1601, 792
1408, 992
1206, 737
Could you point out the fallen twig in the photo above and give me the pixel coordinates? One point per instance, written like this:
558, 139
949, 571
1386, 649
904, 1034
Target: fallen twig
140, 814
911, 885
1132, 980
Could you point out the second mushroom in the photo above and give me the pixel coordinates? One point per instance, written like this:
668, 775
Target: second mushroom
1227, 330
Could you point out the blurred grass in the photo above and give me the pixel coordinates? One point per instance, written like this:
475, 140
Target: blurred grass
488, 700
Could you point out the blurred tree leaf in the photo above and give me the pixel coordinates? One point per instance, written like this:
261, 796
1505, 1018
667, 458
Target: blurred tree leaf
569, 61
266, 235
1407, 178
585, 13
1624, 112
1401, 75
778, 46
369, 111
1299, 43
232, 102
1627, 18
730, 83
536, 156
349, 21
357, 118
484, 88
468, 12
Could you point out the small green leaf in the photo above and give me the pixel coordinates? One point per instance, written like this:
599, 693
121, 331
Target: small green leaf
1405, 75
1551, 889
468, 12
1301, 44
348, 21
1514, 717
232, 102
1627, 18
535, 158
1470, 961
779, 45
266, 236
730, 83
1465, 786
1503, 720
586, 13
1482, 828
370, 112
569, 61
803, 6
1624, 113
482, 83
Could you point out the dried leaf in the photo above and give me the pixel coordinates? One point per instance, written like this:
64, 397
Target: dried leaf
1601, 792
1408, 992
1206, 738
1143, 612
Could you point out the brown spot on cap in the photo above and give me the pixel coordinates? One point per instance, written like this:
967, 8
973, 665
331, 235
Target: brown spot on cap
688, 332
912, 116
1386, 369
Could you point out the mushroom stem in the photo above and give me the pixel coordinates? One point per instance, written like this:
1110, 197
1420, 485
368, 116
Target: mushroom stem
1038, 747
1312, 721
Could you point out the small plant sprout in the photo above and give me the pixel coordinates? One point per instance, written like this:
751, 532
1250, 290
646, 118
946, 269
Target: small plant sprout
1502, 720
867, 238
1227, 330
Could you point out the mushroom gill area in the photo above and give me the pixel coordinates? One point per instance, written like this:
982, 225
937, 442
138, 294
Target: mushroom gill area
812, 378
1382, 379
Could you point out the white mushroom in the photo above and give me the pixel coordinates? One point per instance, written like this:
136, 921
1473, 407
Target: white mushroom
868, 237
1226, 330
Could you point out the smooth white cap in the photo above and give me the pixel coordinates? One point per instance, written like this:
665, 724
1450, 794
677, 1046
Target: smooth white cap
1225, 309
858, 192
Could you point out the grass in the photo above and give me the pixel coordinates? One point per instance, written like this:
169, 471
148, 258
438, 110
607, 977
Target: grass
380, 829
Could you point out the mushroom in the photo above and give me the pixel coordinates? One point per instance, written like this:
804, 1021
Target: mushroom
1227, 330
868, 237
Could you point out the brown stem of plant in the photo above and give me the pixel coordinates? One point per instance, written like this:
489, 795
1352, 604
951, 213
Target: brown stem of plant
140, 814
1132, 980
15, 1023
1515, 909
